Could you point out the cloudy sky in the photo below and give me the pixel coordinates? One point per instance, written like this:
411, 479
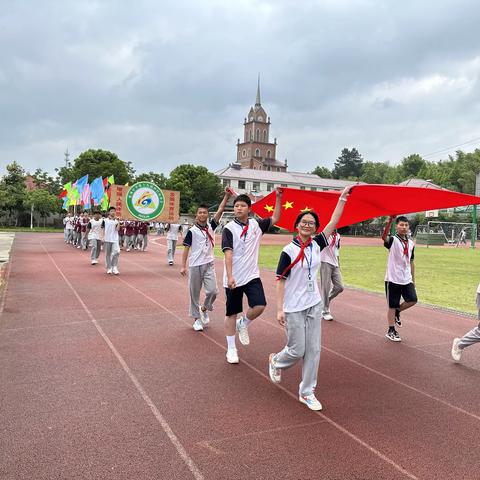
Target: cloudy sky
163, 82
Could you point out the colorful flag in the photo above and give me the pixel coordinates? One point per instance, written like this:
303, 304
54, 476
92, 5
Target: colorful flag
81, 182
105, 201
365, 202
97, 190
111, 180
86, 194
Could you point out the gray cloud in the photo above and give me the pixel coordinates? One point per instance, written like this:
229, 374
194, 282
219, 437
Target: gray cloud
163, 83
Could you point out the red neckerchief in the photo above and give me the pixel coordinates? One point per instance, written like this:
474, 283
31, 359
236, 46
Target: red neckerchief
245, 230
405, 245
334, 239
206, 232
300, 256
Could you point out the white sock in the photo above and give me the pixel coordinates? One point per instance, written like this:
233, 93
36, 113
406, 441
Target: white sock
246, 321
231, 342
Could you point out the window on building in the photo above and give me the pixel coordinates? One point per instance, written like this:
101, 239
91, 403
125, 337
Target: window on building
302, 188
257, 135
244, 153
265, 136
269, 187
256, 186
257, 152
284, 185
260, 118
241, 184
313, 189
226, 182
269, 153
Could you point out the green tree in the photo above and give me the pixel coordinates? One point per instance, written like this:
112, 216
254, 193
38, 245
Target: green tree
378, 172
322, 172
348, 165
97, 163
196, 185
158, 179
44, 180
411, 166
13, 192
42, 202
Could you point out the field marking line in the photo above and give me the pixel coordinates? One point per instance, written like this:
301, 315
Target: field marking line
160, 418
321, 415
207, 443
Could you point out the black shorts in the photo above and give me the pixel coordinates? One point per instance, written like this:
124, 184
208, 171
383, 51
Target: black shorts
254, 292
394, 291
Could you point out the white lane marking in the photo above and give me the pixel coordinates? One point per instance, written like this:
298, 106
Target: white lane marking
161, 420
321, 415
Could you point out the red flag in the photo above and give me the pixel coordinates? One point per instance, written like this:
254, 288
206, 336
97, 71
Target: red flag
365, 202
62, 194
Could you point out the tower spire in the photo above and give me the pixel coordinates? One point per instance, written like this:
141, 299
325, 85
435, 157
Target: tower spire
257, 101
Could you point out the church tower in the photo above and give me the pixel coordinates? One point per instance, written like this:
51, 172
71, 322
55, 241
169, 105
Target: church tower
256, 151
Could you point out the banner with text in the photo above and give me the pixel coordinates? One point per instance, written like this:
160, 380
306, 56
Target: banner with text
145, 201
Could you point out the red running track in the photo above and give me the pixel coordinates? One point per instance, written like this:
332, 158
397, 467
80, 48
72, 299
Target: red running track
102, 377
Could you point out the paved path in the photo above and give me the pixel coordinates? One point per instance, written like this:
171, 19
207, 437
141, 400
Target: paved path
102, 377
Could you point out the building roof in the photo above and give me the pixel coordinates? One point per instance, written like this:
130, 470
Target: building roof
419, 182
288, 178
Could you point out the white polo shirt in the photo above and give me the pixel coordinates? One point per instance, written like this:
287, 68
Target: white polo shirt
201, 247
68, 222
95, 227
398, 265
110, 229
331, 253
245, 249
173, 231
297, 295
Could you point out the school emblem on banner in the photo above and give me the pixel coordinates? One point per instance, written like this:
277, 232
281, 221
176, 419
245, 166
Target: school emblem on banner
145, 201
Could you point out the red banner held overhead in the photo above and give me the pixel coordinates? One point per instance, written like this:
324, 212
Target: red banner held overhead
364, 203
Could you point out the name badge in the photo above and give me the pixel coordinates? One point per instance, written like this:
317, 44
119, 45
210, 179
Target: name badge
310, 286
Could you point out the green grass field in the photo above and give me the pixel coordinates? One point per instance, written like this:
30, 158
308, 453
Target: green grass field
444, 277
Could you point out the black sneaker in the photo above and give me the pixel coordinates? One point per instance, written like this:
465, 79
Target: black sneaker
398, 322
393, 336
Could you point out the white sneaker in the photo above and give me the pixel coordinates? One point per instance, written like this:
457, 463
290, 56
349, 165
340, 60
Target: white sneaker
456, 352
311, 402
94, 262
197, 325
109, 271
232, 355
79, 246
242, 332
115, 271
204, 317
327, 316
274, 372
128, 249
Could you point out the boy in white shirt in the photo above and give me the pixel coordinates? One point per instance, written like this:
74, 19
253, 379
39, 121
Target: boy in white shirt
240, 243
94, 234
330, 274
173, 231
68, 223
110, 227
471, 337
198, 249
400, 275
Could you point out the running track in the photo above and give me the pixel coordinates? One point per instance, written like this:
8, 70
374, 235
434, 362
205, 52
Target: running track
102, 377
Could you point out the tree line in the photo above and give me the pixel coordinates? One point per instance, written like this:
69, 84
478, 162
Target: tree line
198, 185
457, 172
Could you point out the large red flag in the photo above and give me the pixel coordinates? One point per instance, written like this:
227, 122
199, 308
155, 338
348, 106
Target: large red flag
365, 202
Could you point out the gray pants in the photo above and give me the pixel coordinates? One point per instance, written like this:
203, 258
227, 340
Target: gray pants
112, 252
329, 275
142, 241
130, 241
84, 240
303, 342
473, 336
69, 235
171, 246
96, 247
198, 276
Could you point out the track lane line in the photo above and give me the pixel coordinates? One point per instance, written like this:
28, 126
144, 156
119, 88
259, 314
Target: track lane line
159, 417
